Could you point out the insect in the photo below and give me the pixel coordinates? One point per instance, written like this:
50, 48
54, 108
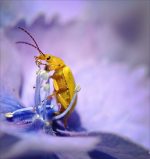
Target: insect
63, 79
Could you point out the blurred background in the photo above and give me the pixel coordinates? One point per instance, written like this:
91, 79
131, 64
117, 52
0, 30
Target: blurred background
105, 43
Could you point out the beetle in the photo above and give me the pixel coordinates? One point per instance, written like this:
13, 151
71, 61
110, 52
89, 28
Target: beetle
63, 79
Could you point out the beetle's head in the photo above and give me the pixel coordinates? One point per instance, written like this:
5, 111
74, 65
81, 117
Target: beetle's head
51, 62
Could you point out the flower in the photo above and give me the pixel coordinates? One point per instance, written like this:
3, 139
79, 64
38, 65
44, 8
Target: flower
110, 100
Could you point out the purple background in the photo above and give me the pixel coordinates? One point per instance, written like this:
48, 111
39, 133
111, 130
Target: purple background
106, 46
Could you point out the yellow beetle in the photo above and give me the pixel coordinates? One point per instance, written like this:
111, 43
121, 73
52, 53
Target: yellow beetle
63, 79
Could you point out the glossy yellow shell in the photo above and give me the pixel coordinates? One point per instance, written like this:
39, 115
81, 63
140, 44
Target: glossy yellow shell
69, 80
64, 83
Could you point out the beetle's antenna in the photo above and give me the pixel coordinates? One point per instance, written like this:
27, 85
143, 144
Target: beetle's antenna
23, 42
32, 39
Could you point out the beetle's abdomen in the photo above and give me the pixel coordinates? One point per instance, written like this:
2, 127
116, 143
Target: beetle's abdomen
65, 85
63, 96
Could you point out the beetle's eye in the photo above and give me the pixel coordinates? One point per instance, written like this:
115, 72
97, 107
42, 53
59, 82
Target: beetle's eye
48, 58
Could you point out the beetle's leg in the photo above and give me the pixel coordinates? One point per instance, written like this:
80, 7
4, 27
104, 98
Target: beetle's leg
55, 76
61, 90
64, 103
57, 92
38, 63
69, 113
50, 96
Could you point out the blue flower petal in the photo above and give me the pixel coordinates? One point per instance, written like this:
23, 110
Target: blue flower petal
108, 146
114, 147
8, 104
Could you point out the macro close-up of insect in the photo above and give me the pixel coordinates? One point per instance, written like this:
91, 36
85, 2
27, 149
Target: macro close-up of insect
64, 85
49, 51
